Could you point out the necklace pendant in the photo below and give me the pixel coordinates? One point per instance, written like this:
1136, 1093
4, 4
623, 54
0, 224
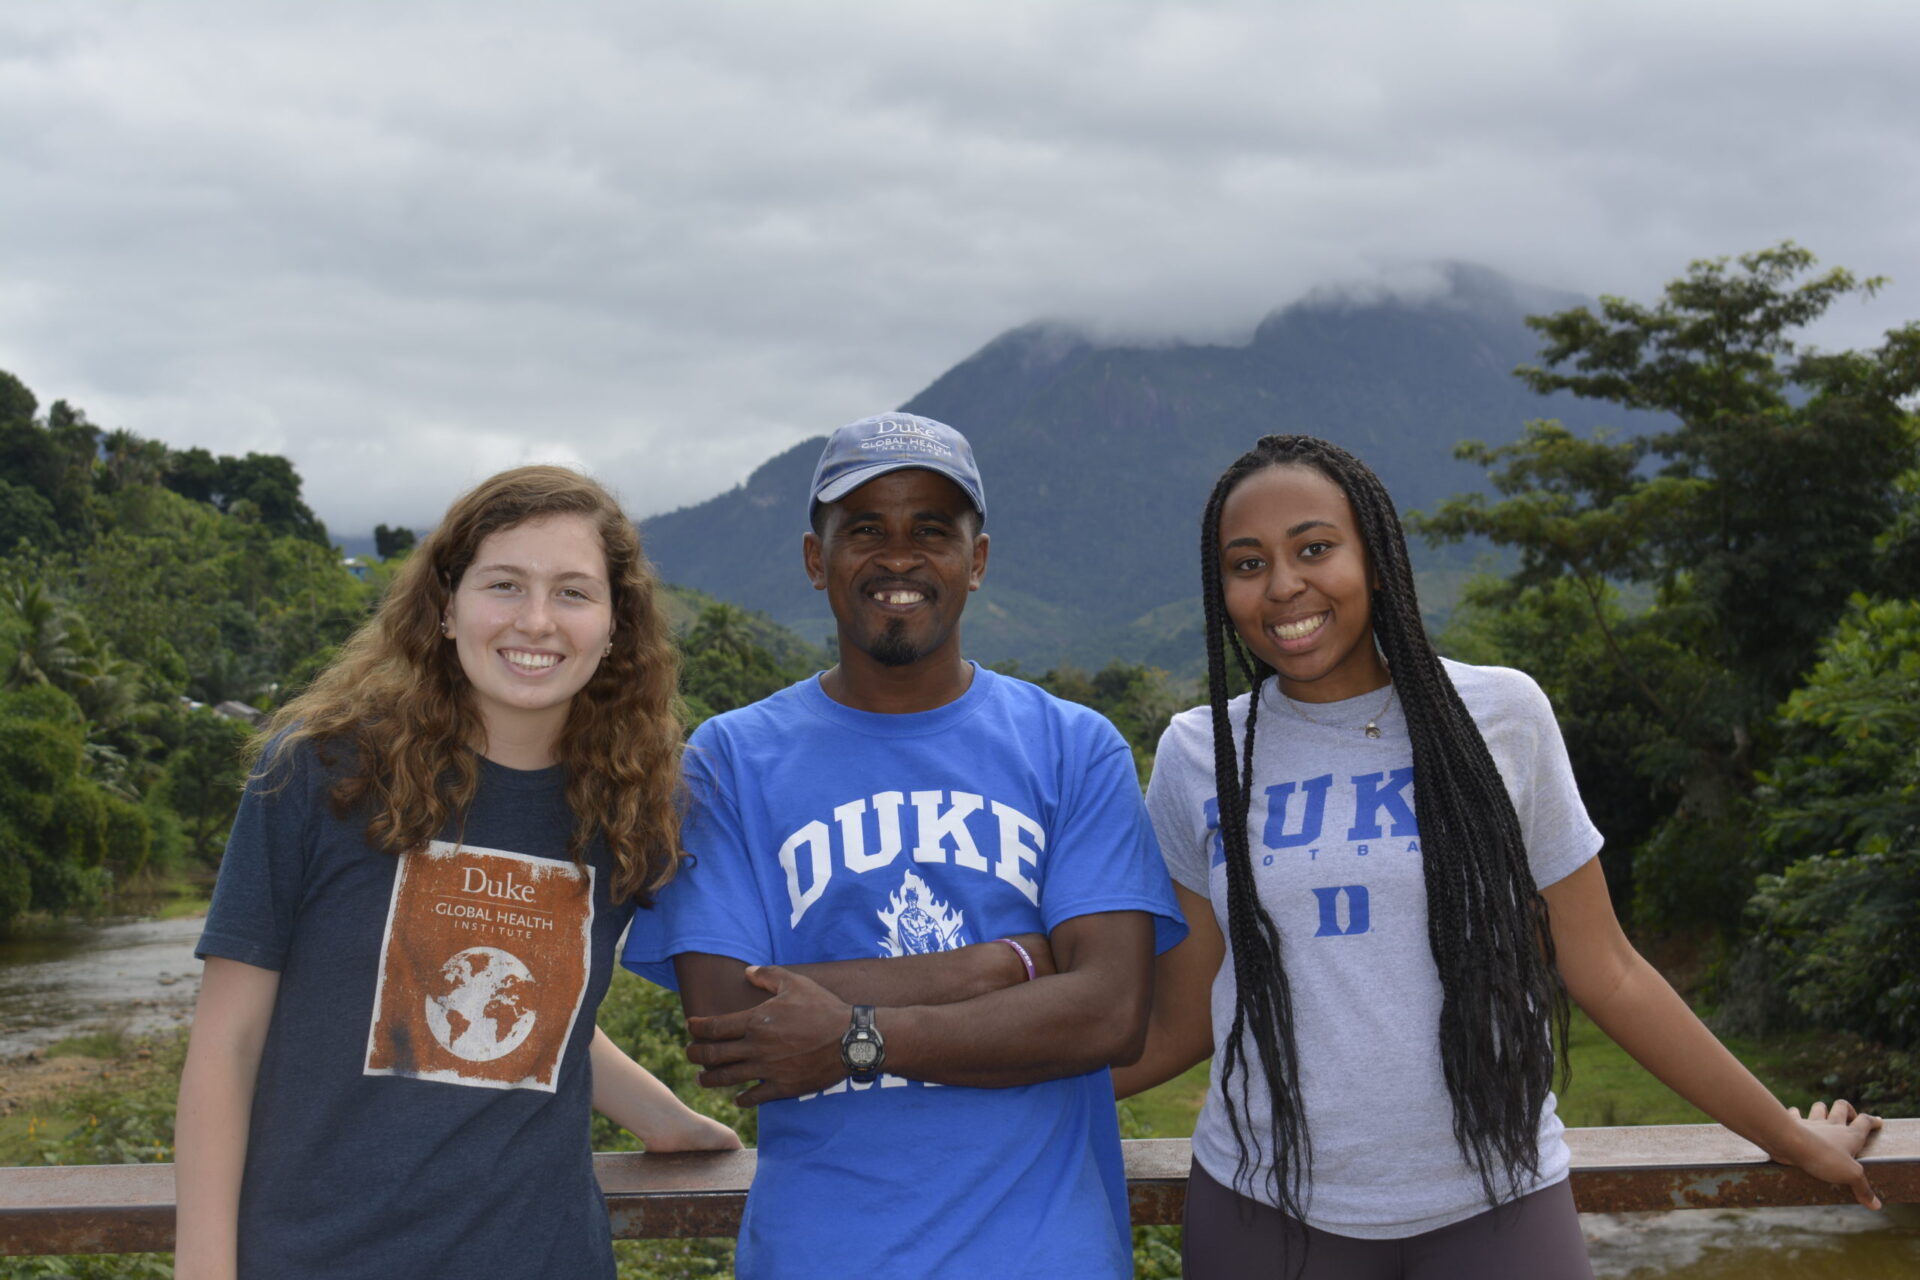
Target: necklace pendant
1373, 730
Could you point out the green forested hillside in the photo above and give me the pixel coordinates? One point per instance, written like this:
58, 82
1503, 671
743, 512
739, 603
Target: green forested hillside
139, 588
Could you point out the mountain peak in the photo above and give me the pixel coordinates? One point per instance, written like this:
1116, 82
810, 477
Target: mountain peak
1039, 345
1100, 451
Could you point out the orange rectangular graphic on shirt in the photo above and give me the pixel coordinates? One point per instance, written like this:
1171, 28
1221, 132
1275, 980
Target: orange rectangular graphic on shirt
483, 968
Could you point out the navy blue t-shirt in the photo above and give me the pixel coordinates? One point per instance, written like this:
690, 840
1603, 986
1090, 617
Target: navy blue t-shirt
422, 1107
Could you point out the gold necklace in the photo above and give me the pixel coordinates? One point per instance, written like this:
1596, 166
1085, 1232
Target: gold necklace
1373, 725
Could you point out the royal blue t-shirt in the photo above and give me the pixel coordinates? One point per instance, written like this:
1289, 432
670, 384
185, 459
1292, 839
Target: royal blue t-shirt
820, 833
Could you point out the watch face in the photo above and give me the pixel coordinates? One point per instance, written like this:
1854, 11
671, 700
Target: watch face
862, 1054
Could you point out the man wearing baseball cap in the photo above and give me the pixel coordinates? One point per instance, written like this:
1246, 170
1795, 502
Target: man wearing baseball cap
920, 916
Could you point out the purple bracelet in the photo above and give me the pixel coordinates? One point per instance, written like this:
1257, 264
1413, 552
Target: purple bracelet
1020, 951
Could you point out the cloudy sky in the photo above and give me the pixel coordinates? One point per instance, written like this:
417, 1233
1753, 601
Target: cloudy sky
408, 243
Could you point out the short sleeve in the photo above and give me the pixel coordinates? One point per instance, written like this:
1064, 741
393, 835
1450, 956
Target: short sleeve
1559, 835
1103, 856
1179, 812
263, 872
713, 903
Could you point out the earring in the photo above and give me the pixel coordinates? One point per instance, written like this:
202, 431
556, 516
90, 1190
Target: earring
445, 629
608, 650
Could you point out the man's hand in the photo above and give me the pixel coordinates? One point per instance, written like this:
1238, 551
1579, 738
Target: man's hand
790, 1042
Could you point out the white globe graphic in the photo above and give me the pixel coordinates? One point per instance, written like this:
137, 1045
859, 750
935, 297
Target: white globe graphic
480, 1016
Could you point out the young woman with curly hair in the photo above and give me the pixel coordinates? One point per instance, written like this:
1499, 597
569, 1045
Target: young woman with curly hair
1380, 994
441, 842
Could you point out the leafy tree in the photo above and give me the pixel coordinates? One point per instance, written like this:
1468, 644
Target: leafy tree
55, 823
725, 665
195, 473
129, 461
1847, 775
47, 653
130, 575
1897, 549
1841, 811
203, 778
57, 648
1744, 526
388, 543
266, 482
270, 483
155, 596
25, 515
310, 603
53, 462
17, 404
1764, 429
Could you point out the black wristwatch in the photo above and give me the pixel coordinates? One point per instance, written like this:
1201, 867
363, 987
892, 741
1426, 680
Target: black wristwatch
863, 1049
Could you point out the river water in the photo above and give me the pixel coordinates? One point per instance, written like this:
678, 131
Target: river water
1810, 1243
137, 975
141, 976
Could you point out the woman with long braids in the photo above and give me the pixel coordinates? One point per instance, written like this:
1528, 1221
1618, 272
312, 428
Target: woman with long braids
443, 838
1380, 995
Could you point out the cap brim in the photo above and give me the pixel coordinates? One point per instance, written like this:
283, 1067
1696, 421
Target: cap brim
837, 489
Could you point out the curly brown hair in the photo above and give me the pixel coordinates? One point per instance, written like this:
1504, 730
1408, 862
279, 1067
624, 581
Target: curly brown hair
396, 705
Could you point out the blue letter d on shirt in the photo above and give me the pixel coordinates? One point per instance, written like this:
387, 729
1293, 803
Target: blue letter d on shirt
1357, 919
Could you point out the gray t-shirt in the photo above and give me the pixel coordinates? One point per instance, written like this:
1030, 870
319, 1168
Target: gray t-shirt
1336, 856
422, 1106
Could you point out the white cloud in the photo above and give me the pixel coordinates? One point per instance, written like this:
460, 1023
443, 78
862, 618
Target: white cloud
405, 243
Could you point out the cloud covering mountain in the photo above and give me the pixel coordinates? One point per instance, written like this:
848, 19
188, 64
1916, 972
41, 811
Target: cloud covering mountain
406, 243
1098, 457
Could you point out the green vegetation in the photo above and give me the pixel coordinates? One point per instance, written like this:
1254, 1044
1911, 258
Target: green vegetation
122, 1116
139, 587
732, 657
1724, 614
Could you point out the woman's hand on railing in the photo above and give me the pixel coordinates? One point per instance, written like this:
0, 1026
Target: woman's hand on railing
1840, 1132
693, 1132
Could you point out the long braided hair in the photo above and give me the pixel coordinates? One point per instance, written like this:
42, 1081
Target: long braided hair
1503, 1005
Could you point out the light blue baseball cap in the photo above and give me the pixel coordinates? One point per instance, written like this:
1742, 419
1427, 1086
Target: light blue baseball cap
871, 447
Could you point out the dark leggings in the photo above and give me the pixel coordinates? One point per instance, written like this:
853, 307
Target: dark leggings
1230, 1237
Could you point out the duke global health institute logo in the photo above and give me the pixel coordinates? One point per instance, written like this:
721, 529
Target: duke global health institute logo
483, 968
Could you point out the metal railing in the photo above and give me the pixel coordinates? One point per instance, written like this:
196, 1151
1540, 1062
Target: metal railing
129, 1208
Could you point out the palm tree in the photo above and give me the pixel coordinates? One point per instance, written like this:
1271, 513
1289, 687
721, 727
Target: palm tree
47, 654
723, 629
